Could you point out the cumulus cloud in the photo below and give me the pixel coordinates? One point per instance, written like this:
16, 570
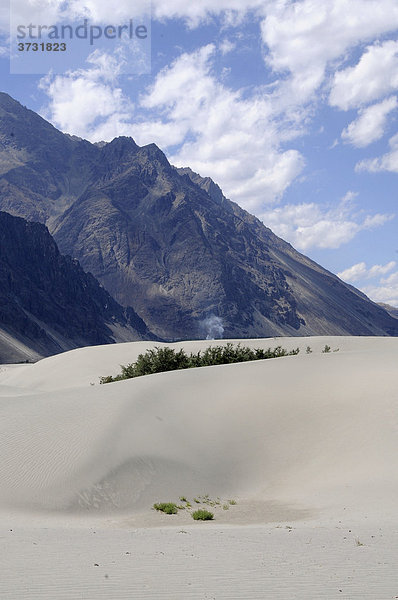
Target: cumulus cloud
245, 139
310, 225
374, 76
304, 39
360, 271
386, 291
235, 140
105, 12
386, 162
227, 46
53, 11
195, 13
87, 102
219, 132
370, 125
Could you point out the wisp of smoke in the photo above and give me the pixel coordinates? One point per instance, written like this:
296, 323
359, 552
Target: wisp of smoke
213, 327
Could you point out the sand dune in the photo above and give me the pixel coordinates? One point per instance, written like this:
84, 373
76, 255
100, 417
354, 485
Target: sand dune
309, 440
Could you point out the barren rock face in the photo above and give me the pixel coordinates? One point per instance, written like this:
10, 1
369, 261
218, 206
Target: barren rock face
47, 302
167, 242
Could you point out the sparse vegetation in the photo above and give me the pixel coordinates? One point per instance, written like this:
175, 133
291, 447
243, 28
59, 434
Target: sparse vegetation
326, 349
308, 350
202, 515
158, 360
170, 508
359, 543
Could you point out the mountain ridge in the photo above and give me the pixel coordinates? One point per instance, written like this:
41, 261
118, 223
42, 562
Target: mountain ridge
169, 243
48, 304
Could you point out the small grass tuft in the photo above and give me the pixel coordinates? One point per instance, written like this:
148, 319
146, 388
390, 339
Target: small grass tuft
202, 515
170, 508
359, 543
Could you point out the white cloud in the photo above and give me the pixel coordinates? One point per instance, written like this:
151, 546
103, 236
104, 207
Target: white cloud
201, 10
386, 162
98, 11
386, 291
309, 225
233, 139
354, 273
28, 11
374, 76
243, 139
370, 125
87, 103
360, 271
53, 11
304, 37
106, 12
227, 46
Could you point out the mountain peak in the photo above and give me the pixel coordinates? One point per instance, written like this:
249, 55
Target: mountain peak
168, 243
8, 103
123, 140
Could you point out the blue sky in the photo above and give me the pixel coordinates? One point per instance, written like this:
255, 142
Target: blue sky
290, 106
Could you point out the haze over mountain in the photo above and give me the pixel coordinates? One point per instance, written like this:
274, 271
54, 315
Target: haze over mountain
167, 242
47, 303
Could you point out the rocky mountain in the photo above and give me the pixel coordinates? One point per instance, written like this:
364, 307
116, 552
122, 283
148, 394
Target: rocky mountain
48, 303
392, 310
167, 242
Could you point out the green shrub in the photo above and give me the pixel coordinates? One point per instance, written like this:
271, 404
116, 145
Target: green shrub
107, 379
170, 508
202, 515
326, 349
158, 360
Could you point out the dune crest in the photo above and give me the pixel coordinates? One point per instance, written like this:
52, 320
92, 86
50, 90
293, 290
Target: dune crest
297, 430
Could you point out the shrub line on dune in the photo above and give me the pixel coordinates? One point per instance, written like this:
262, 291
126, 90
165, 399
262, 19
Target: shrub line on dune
160, 360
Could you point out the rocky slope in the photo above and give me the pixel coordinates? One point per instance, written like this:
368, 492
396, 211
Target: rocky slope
392, 310
47, 302
167, 241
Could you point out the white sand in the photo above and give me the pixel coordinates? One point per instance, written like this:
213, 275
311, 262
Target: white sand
307, 446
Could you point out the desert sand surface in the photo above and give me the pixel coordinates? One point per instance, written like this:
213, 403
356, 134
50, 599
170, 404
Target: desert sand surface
306, 446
